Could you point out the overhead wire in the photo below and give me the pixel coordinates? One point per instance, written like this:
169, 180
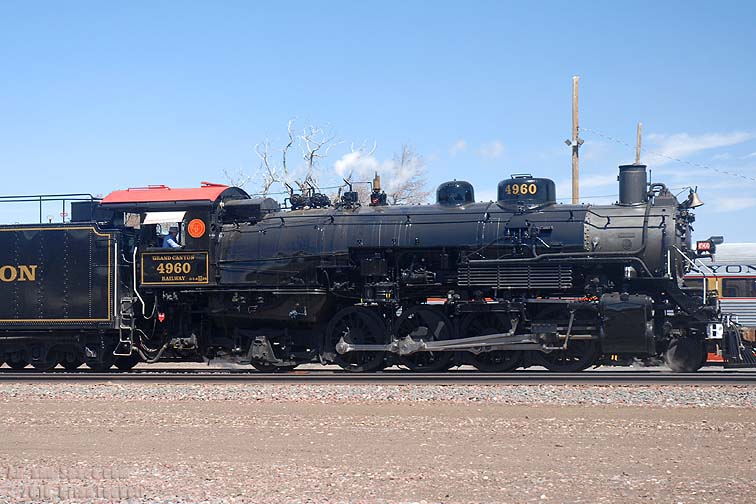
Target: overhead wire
606, 136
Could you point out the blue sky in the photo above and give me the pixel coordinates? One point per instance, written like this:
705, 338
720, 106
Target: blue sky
103, 95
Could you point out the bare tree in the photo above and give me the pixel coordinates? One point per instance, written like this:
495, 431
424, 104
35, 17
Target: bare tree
289, 144
270, 172
409, 186
404, 176
359, 181
315, 143
238, 178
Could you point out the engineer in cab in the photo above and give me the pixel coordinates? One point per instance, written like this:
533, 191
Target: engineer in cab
171, 239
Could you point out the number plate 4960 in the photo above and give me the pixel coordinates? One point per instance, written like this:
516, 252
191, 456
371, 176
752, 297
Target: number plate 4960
161, 268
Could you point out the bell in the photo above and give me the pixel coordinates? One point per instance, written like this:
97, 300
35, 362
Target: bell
693, 200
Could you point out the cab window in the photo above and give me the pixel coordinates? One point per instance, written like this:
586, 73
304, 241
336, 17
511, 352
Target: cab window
164, 229
739, 287
173, 231
693, 283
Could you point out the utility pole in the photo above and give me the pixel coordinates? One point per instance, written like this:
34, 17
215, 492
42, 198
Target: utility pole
575, 142
638, 143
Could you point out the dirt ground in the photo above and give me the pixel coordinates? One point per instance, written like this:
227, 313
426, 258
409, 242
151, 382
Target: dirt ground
194, 450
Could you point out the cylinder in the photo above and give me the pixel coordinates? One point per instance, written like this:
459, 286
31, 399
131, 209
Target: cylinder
632, 184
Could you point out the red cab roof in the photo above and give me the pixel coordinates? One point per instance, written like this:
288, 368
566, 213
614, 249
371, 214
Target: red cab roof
161, 193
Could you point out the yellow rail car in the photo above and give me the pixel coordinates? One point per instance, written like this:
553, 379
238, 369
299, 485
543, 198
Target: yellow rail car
730, 274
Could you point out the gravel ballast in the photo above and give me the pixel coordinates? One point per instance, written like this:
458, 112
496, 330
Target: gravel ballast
181, 442
721, 396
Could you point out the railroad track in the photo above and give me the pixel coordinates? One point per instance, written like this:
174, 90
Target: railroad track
635, 377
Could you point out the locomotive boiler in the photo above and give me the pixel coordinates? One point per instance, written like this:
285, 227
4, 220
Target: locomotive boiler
516, 282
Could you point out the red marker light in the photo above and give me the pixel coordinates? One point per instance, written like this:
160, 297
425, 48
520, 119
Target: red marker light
161, 317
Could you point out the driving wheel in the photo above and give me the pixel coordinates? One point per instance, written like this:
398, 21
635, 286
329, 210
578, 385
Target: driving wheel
425, 323
358, 325
491, 361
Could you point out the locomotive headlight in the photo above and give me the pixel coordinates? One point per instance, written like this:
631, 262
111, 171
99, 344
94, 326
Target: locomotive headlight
709, 246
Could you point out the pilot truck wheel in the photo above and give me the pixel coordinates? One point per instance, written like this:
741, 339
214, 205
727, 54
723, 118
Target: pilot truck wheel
685, 355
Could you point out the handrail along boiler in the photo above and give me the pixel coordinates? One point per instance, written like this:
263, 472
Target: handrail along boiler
512, 283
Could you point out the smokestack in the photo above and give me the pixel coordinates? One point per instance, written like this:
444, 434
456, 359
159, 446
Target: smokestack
633, 184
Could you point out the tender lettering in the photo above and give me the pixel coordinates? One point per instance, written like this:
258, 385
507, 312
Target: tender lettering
20, 273
27, 273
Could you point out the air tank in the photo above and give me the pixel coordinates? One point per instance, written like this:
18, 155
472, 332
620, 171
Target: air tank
632, 184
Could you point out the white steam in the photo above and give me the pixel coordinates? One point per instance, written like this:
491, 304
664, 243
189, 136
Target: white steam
395, 175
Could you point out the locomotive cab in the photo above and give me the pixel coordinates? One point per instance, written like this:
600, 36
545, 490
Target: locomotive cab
185, 229
172, 232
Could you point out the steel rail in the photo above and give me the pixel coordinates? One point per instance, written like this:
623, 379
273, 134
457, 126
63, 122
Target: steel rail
390, 377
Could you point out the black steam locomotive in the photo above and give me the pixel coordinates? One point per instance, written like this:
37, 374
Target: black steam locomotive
512, 283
